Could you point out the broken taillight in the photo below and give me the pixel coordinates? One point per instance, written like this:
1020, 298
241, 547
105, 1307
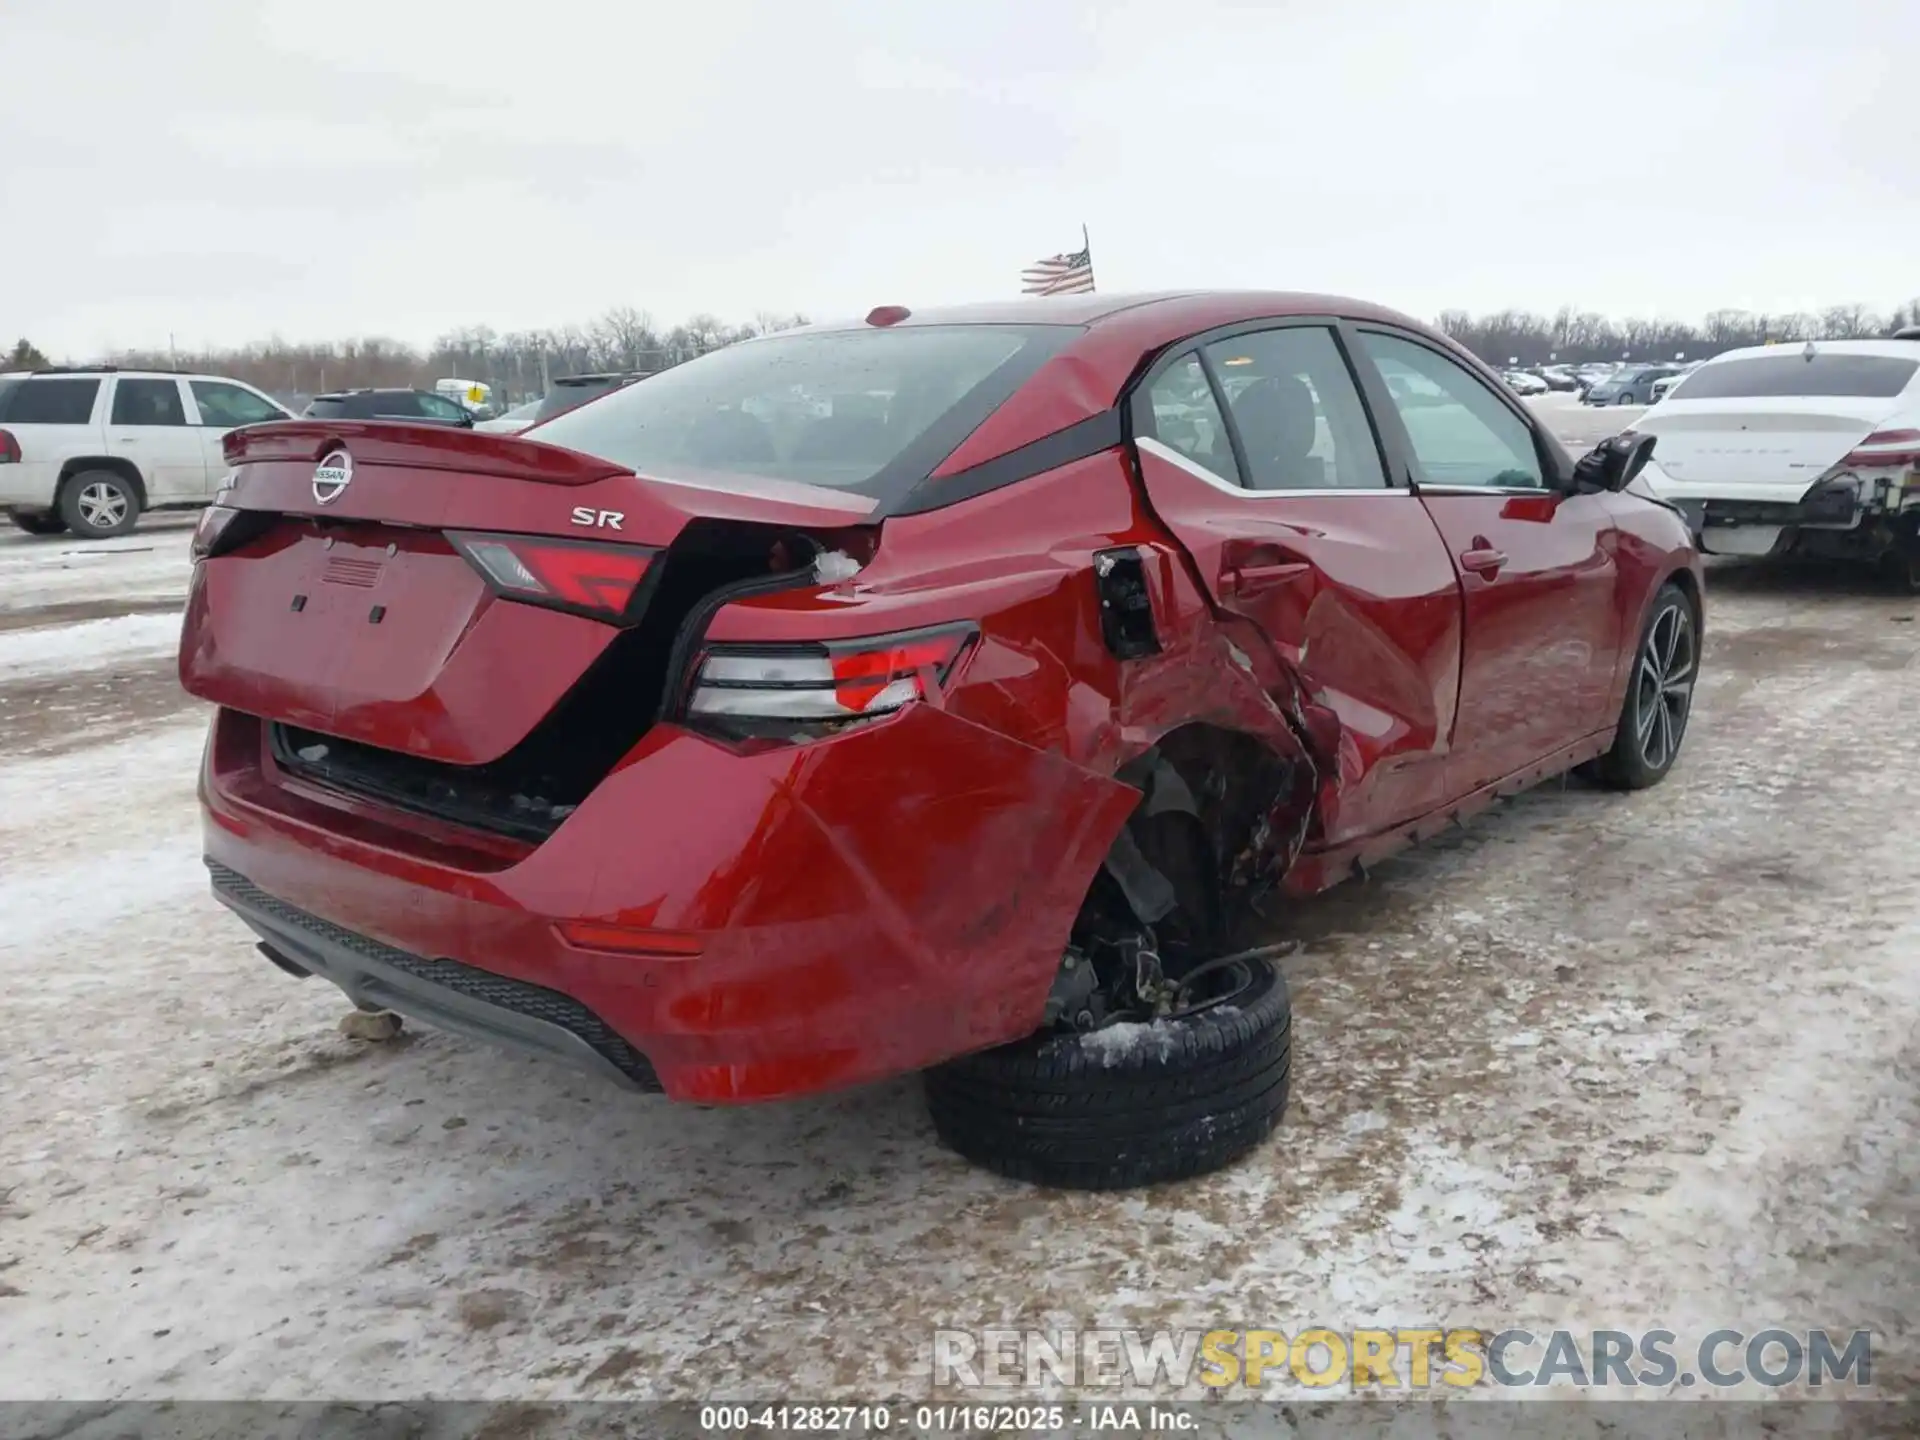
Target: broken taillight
1885, 450
9, 448
579, 576
206, 534
760, 690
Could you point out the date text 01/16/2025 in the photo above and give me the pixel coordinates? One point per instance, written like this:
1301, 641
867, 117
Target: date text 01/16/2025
925, 1419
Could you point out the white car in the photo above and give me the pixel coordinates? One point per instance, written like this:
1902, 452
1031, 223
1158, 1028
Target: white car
89, 450
1522, 383
1797, 450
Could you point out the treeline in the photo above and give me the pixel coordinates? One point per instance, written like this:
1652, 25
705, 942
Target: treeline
515, 364
1519, 337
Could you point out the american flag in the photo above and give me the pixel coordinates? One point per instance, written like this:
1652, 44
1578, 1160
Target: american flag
1060, 274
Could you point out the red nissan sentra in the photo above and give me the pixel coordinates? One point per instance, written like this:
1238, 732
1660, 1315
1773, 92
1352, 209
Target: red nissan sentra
944, 691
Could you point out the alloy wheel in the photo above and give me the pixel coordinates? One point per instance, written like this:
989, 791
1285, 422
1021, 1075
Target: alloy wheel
102, 505
1663, 686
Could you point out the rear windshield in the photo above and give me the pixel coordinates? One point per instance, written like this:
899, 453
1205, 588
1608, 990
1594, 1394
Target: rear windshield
872, 410
47, 402
1877, 377
365, 407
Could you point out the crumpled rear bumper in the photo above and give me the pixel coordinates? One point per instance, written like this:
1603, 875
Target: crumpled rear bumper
826, 914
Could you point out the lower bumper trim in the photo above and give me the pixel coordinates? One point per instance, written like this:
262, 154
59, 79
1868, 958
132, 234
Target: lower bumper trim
445, 994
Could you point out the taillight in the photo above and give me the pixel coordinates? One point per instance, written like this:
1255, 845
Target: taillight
579, 576
768, 689
214, 521
9, 449
1885, 450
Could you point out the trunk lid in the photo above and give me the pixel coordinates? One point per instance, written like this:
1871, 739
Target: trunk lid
346, 595
1765, 447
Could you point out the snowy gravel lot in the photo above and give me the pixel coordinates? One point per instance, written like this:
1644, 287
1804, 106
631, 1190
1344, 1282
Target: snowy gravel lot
1596, 1061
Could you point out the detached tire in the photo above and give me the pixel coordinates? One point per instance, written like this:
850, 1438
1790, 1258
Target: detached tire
98, 504
1125, 1106
37, 522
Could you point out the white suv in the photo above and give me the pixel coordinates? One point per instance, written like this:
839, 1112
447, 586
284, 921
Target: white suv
89, 449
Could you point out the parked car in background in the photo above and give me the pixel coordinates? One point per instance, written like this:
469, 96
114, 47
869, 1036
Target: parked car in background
512, 422
90, 449
390, 404
570, 392
1558, 377
928, 692
1662, 387
1523, 382
1630, 385
1798, 450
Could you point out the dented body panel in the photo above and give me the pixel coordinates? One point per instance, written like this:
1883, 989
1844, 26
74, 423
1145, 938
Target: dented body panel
731, 902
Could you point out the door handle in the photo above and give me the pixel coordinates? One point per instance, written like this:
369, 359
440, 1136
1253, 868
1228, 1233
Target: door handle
1483, 560
1263, 576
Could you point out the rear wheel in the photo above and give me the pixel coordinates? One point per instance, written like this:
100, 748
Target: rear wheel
1653, 719
1625, 397
1131, 1103
99, 503
37, 522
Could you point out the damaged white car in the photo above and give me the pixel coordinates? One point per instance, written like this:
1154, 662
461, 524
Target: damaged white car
1807, 450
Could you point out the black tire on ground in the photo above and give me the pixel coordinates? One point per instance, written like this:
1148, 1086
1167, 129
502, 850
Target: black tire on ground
1181, 1098
1901, 562
97, 504
1653, 717
1625, 397
37, 522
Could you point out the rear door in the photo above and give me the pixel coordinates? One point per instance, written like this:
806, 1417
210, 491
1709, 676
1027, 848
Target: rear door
1257, 453
1537, 567
147, 424
221, 406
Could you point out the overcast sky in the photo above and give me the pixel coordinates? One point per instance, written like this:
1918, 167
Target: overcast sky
222, 170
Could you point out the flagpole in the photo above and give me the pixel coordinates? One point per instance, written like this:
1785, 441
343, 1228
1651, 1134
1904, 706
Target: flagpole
1086, 247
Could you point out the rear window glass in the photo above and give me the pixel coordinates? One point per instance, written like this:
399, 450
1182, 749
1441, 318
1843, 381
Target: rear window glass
1870, 376
567, 396
404, 405
869, 410
47, 402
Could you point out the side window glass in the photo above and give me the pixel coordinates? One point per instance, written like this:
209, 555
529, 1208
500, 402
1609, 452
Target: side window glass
147, 402
438, 407
1460, 431
227, 406
1294, 401
1184, 416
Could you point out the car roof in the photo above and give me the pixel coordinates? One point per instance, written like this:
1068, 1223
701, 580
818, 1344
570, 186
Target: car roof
373, 390
1895, 349
1179, 311
97, 371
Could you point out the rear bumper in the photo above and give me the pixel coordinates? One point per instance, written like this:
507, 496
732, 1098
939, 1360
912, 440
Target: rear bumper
28, 485
1761, 519
443, 993
838, 912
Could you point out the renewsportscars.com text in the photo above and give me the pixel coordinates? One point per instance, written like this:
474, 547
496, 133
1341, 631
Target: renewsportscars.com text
1407, 1358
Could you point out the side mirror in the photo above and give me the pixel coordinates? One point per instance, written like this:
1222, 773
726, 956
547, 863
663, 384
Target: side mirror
1613, 463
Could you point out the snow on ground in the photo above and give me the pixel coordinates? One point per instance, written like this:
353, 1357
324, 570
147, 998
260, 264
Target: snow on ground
1597, 1060
88, 644
150, 563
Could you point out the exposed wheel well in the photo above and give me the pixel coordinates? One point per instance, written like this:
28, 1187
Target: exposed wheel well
126, 469
1222, 816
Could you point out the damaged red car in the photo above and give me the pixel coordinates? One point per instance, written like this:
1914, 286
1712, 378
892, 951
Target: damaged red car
955, 692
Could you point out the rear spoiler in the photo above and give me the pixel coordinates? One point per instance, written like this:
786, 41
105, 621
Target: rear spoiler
424, 447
